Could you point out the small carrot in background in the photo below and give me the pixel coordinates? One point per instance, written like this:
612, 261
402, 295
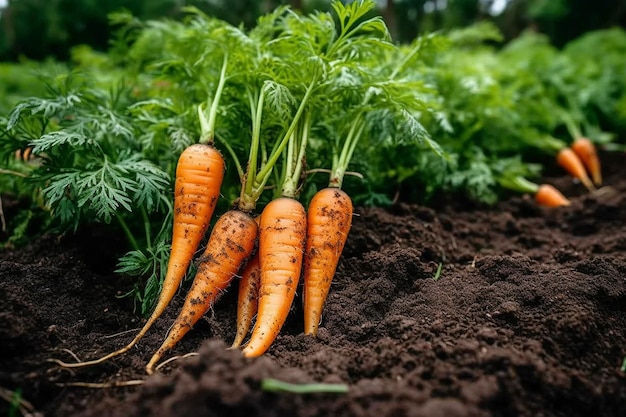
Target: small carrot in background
581, 145
570, 161
545, 195
231, 243
548, 196
586, 151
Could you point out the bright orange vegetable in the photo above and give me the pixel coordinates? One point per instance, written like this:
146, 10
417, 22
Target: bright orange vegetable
328, 223
569, 161
586, 151
548, 196
247, 301
281, 245
199, 176
247, 297
230, 244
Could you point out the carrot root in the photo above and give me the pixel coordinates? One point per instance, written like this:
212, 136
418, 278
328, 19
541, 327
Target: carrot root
247, 302
199, 176
570, 161
328, 222
281, 244
586, 151
549, 196
230, 244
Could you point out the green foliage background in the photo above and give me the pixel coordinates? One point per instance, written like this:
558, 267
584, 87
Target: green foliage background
37, 29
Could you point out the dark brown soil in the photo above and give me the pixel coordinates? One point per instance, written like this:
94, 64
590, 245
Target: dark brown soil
526, 318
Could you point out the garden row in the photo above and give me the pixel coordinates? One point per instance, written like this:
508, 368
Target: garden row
299, 111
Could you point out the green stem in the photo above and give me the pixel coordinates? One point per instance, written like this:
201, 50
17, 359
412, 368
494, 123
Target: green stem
294, 171
570, 125
233, 155
248, 196
340, 164
264, 174
127, 232
519, 184
548, 143
275, 385
207, 121
146, 226
405, 61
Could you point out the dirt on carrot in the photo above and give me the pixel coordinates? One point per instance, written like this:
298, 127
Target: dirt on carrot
527, 318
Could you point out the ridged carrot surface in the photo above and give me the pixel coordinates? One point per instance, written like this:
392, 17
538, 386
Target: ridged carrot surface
232, 241
328, 222
281, 245
199, 176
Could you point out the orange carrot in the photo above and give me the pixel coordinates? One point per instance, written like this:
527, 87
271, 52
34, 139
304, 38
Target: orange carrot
586, 151
199, 176
328, 223
281, 244
230, 244
569, 161
247, 298
247, 301
548, 196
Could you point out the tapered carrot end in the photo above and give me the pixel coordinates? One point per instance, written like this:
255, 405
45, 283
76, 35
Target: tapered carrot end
571, 162
586, 151
548, 196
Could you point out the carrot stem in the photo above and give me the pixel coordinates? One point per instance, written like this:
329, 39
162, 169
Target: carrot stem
264, 173
294, 163
340, 164
519, 184
207, 121
570, 125
127, 232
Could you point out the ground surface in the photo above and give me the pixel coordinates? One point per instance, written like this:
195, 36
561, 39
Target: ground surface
527, 318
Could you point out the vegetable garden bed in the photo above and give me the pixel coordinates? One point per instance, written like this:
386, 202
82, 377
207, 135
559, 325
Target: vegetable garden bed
525, 317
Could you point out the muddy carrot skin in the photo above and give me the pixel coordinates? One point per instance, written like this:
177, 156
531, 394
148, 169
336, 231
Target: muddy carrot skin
328, 222
548, 196
199, 176
569, 161
247, 300
281, 245
586, 151
231, 242
248, 295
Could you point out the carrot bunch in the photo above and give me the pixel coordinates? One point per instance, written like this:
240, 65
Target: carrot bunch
272, 251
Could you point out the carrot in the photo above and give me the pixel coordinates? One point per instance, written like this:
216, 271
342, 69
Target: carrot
199, 175
281, 244
230, 244
328, 223
569, 161
548, 196
586, 151
247, 299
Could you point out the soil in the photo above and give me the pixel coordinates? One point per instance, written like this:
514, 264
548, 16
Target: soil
526, 317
